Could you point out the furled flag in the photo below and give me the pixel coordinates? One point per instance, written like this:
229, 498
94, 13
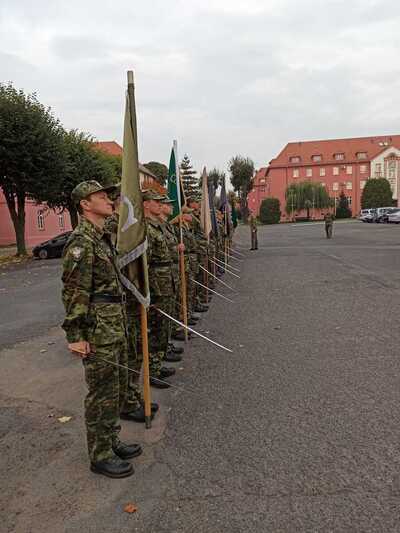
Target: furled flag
205, 216
132, 239
223, 199
175, 193
211, 201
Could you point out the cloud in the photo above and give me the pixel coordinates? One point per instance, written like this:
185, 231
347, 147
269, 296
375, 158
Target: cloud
222, 77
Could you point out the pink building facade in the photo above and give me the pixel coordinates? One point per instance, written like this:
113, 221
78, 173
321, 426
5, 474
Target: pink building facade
339, 165
41, 223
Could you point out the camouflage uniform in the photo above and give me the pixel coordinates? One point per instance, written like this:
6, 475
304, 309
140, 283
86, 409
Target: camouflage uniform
161, 293
253, 232
134, 397
202, 258
172, 241
328, 225
90, 273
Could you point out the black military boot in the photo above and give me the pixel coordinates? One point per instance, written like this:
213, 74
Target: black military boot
156, 382
127, 451
136, 416
172, 357
114, 467
175, 349
166, 372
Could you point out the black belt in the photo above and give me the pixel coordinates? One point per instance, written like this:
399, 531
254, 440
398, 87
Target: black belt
108, 299
163, 264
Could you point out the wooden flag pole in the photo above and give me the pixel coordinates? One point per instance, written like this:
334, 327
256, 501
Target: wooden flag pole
146, 371
206, 277
183, 281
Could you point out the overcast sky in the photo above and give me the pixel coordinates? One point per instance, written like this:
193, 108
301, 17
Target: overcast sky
222, 76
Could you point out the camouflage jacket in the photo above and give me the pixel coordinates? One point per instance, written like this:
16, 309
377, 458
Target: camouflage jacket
202, 243
89, 268
159, 260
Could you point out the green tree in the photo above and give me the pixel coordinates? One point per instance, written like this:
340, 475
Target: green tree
242, 172
216, 176
190, 182
306, 195
31, 153
376, 193
270, 211
343, 210
83, 162
159, 170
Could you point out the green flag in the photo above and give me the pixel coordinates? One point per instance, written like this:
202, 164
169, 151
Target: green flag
132, 239
175, 193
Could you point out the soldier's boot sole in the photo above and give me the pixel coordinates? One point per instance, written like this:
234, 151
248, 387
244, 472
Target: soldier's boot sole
113, 475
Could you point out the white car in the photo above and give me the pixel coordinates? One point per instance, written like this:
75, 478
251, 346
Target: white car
394, 218
367, 215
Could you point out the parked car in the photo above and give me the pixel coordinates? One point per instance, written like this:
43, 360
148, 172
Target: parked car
367, 215
385, 217
394, 218
52, 248
380, 211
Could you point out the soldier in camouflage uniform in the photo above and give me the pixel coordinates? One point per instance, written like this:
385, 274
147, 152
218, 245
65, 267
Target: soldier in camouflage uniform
161, 290
329, 218
133, 408
172, 239
95, 328
202, 255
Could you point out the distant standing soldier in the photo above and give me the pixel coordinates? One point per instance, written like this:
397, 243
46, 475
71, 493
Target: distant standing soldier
328, 225
95, 328
253, 232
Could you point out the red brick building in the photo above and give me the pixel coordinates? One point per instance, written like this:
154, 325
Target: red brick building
147, 179
339, 165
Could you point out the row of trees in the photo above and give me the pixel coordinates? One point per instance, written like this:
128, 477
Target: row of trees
40, 160
308, 195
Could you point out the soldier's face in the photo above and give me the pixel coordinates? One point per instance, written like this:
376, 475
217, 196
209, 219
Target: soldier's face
154, 207
99, 204
166, 209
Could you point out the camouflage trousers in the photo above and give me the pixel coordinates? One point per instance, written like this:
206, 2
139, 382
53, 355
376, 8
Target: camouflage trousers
134, 397
107, 384
192, 290
328, 230
203, 278
159, 326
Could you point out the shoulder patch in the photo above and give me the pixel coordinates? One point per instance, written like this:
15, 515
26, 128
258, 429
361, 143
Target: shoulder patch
76, 252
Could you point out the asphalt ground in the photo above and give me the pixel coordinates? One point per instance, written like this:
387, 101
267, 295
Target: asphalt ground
296, 430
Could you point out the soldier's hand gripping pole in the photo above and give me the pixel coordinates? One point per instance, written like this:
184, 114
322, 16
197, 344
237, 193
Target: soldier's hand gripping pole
146, 372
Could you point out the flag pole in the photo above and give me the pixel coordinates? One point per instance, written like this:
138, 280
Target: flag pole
146, 371
181, 253
143, 310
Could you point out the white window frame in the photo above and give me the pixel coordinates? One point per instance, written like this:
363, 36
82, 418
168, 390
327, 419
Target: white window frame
322, 171
361, 155
339, 156
296, 173
362, 184
363, 169
335, 186
317, 158
349, 185
308, 172
40, 221
349, 170
335, 171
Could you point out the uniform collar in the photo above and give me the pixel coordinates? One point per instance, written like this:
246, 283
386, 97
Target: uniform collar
91, 229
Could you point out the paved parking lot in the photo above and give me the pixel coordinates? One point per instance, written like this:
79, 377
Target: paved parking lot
297, 430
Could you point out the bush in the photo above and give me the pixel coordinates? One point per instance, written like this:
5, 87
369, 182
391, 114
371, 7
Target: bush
376, 193
343, 210
270, 211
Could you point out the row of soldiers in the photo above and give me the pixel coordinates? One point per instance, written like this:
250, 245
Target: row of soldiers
102, 322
